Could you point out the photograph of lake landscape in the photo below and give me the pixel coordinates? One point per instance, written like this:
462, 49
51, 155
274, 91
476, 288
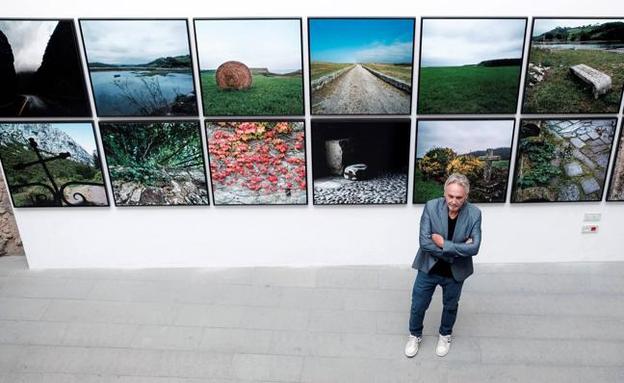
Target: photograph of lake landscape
140, 67
479, 149
250, 67
361, 66
470, 66
41, 74
575, 66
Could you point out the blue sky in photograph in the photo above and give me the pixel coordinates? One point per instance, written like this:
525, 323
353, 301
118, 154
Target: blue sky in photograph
545, 25
361, 40
133, 41
463, 136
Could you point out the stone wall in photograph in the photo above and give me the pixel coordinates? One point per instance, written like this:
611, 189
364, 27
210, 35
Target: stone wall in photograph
10, 242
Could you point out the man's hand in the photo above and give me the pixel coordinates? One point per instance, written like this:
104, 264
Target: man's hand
438, 240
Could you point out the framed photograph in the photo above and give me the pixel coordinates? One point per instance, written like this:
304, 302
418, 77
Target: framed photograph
257, 162
361, 66
41, 73
155, 163
616, 185
562, 160
52, 164
575, 66
479, 149
363, 161
470, 65
250, 67
140, 67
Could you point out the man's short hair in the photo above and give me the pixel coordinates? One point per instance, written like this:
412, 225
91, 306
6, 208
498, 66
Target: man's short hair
460, 179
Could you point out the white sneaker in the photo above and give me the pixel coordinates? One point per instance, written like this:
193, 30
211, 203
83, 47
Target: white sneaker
444, 345
411, 348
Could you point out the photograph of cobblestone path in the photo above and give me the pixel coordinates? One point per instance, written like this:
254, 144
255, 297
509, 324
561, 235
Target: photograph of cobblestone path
562, 160
616, 186
360, 161
479, 149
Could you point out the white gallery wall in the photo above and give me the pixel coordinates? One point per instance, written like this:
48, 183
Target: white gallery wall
306, 235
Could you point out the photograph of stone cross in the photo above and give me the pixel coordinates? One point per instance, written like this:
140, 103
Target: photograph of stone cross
562, 160
616, 186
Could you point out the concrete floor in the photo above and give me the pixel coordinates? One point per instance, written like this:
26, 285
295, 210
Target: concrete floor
517, 323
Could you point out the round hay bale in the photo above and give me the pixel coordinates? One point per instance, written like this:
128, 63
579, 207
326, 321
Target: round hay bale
233, 75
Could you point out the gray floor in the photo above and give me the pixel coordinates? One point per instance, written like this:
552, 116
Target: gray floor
517, 323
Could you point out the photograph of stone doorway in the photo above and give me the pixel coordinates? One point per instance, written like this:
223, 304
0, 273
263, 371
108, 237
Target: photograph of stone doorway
562, 160
479, 149
616, 185
361, 161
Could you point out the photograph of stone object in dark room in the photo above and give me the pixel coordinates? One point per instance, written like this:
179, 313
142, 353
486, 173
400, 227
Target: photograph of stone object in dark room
479, 149
616, 186
562, 160
52, 164
575, 66
140, 67
155, 163
470, 65
250, 67
360, 161
41, 73
361, 66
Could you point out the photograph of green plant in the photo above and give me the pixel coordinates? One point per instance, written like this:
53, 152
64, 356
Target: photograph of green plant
479, 149
562, 160
616, 186
250, 67
52, 164
470, 66
257, 162
155, 163
575, 66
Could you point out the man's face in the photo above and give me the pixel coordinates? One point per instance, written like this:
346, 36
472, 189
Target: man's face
455, 196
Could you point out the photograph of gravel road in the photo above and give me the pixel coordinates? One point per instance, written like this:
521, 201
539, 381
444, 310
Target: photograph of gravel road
479, 149
562, 160
470, 66
616, 186
361, 66
575, 66
140, 67
360, 161
41, 74
250, 67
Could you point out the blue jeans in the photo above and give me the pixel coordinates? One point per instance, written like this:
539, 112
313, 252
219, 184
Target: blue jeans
424, 287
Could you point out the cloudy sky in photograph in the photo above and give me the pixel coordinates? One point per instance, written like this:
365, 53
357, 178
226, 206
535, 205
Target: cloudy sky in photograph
133, 41
463, 136
272, 44
454, 42
387, 41
545, 25
28, 41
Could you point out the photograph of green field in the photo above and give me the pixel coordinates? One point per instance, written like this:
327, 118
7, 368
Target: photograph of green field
575, 66
52, 164
250, 67
361, 66
479, 149
562, 160
470, 66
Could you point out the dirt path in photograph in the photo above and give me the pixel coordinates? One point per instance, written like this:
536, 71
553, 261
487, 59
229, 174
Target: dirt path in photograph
94, 194
359, 92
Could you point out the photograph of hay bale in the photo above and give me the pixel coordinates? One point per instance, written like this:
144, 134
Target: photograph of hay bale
575, 66
470, 66
257, 162
562, 160
52, 164
478, 149
360, 161
41, 73
140, 67
250, 67
616, 185
361, 66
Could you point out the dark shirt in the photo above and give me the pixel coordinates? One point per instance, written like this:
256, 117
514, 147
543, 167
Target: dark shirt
441, 267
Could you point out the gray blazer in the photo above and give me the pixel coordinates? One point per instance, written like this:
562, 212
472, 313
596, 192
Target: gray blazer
459, 254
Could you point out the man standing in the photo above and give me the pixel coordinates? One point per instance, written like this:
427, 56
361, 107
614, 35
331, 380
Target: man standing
450, 235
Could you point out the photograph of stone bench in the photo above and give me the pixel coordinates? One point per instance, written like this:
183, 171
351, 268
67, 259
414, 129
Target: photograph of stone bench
600, 82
